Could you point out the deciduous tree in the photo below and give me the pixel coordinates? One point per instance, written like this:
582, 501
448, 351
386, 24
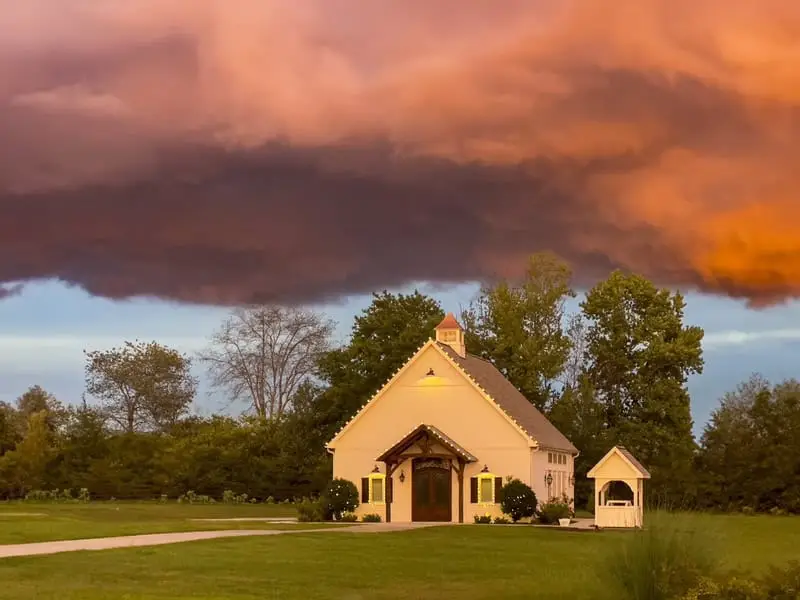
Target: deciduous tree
263, 355
141, 385
520, 327
639, 355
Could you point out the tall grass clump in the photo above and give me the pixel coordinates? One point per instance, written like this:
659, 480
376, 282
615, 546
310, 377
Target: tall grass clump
664, 561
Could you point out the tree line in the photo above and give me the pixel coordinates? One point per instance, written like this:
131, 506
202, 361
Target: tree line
613, 372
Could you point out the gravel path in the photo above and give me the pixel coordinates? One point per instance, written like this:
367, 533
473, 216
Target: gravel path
158, 539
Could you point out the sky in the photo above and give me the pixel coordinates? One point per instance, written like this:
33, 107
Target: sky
199, 155
45, 330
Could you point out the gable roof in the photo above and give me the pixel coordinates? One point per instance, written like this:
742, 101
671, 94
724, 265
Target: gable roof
626, 456
493, 385
511, 401
434, 432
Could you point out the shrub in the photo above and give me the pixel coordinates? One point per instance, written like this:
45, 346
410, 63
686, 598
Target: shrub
340, 496
349, 518
229, 497
310, 511
163, 498
551, 512
518, 500
501, 521
484, 519
666, 560
779, 584
748, 510
777, 512
84, 495
371, 518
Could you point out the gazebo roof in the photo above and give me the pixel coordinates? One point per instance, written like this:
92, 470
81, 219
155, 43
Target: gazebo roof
626, 456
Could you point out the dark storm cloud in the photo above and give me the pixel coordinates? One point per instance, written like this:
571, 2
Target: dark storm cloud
281, 151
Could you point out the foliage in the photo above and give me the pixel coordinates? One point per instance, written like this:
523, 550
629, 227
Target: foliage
191, 497
501, 521
750, 448
518, 500
231, 497
520, 327
780, 583
263, 355
551, 512
141, 385
340, 496
310, 511
483, 519
639, 356
666, 560
349, 517
371, 518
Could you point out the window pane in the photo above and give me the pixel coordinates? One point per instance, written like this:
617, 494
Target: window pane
377, 490
486, 489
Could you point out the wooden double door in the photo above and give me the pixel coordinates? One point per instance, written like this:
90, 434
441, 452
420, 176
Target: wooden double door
431, 490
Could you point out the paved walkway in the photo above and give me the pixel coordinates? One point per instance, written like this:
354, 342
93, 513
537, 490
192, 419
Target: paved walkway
159, 539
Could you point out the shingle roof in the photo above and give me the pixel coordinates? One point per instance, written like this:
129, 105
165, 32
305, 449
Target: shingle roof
511, 400
626, 453
447, 441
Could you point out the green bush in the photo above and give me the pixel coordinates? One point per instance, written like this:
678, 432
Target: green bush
501, 521
341, 496
371, 518
666, 560
349, 518
551, 512
310, 511
483, 519
518, 500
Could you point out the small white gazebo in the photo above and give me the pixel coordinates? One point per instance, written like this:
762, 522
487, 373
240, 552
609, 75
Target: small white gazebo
618, 489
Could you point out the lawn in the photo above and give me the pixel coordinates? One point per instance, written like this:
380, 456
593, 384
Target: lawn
33, 522
471, 562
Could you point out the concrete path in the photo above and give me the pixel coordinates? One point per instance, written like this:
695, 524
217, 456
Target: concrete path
159, 539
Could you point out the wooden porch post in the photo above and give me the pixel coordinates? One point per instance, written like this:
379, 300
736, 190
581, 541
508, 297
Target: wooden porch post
389, 491
460, 475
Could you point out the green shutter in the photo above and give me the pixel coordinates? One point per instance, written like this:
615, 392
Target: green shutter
364, 490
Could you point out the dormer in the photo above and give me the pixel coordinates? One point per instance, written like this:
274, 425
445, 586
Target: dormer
449, 332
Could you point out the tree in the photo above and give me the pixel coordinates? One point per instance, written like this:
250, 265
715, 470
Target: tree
10, 432
141, 385
750, 448
579, 416
520, 327
25, 467
383, 338
263, 355
639, 356
36, 399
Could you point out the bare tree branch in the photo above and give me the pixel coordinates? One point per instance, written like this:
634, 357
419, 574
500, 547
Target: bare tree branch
263, 355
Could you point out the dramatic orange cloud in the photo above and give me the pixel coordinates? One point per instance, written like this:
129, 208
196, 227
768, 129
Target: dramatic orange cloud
303, 149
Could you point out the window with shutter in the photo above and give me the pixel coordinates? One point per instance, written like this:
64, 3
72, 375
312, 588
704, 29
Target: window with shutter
377, 488
486, 488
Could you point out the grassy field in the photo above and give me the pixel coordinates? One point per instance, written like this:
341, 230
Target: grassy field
469, 562
30, 522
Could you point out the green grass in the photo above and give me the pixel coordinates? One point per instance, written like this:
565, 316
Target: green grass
465, 562
104, 519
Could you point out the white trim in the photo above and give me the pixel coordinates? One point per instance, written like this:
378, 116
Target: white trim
591, 474
532, 443
378, 394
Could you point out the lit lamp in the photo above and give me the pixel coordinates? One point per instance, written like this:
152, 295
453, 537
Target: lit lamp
548, 479
402, 476
485, 469
431, 379
376, 469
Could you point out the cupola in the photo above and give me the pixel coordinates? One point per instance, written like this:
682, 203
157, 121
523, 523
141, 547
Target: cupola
449, 332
